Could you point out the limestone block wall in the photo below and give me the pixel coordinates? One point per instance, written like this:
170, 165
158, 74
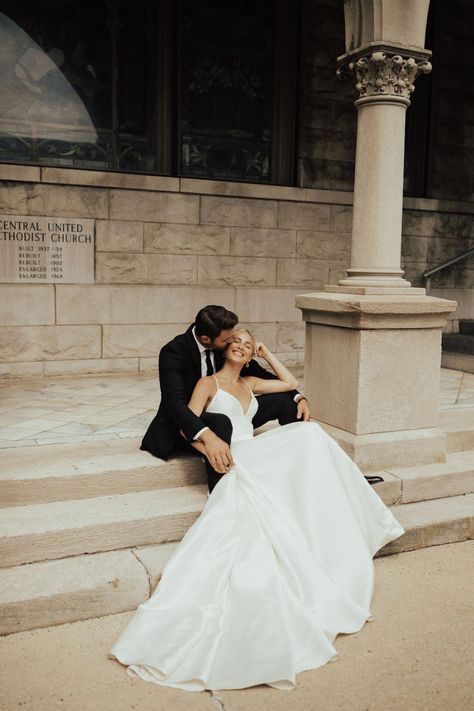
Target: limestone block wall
164, 248
327, 118
167, 246
434, 237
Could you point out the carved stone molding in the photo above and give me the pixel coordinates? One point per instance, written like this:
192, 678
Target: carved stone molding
379, 74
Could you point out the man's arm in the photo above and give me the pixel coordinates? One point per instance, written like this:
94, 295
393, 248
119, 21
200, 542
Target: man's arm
213, 447
173, 393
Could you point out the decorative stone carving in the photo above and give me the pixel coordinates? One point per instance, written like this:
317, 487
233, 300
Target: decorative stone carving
380, 74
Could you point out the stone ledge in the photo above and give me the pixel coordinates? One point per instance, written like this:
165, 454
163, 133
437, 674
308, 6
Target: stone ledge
55, 592
106, 179
65, 528
51, 473
22, 173
433, 523
388, 450
453, 477
143, 181
435, 205
21, 369
458, 361
458, 423
372, 311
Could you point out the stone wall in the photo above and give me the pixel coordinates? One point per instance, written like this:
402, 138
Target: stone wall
327, 118
164, 249
167, 246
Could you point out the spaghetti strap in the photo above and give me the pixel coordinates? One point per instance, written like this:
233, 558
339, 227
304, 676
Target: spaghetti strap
217, 382
246, 383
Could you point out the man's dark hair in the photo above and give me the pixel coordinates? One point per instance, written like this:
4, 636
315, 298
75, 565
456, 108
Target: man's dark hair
211, 320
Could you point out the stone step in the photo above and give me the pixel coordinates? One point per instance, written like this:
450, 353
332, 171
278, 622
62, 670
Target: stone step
466, 326
458, 343
432, 523
453, 477
58, 529
65, 528
86, 586
458, 424
46, 473
458, 361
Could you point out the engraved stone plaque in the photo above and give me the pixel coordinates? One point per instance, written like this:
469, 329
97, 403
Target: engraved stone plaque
46, 250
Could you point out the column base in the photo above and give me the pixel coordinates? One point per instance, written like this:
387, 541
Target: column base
375, 452
374, 281
364, 289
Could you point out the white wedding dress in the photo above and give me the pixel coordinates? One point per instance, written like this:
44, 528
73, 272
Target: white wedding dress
278, 563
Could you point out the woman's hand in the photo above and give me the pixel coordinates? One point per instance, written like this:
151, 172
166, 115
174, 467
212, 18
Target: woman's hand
262, 351
285, 380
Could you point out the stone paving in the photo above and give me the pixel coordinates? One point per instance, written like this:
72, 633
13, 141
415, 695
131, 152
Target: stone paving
74, 409
416, 655
91, 407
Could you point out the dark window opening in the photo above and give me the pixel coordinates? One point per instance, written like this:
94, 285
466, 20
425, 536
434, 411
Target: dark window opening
204, 89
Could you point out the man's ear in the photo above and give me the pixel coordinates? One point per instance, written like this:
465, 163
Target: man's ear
206, 341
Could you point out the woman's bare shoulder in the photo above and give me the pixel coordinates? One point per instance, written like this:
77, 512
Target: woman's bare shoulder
206, 383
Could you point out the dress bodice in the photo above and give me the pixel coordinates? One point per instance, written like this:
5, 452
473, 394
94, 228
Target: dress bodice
225, 403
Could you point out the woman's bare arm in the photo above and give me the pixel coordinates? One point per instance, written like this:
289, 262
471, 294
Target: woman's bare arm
286, 381
202, 393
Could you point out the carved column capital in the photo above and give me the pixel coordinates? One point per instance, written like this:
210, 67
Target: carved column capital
380, 74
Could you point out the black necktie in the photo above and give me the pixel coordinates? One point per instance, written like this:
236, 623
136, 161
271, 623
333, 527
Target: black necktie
210, 369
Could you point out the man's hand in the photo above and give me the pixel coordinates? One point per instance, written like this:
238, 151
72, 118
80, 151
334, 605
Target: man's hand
302, 412
217, 452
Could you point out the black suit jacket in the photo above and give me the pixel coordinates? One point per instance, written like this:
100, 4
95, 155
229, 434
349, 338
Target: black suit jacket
179, 370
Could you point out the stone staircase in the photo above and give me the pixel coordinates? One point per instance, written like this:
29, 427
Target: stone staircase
87, 528
458, 348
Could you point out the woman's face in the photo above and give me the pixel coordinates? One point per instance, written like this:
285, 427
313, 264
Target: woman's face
241, 349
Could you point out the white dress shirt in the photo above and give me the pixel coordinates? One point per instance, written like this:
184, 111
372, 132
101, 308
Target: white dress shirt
202, 351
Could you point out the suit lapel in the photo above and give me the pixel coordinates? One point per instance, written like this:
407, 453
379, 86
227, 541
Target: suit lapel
194, 351
218, 360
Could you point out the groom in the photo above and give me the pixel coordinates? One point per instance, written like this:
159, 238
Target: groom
188, 357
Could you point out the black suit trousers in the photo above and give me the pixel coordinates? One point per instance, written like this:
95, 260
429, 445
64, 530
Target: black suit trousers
277, 406
222, 427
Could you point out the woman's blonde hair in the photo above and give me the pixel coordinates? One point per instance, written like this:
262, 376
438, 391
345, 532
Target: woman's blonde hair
246, 330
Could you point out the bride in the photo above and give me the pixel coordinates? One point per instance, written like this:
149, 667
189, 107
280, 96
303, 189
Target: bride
278, 563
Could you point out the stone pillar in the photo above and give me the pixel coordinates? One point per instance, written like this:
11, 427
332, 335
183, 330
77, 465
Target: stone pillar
384, 81
373, 342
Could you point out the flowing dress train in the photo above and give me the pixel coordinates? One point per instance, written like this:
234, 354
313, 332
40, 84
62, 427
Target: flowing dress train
278, 563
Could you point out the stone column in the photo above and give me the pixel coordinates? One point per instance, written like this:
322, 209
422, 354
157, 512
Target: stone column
384, 81
373, 343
